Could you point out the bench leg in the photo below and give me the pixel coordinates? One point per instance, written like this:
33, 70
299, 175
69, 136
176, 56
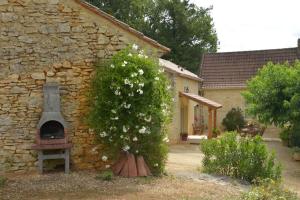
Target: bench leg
67, 161
40, 161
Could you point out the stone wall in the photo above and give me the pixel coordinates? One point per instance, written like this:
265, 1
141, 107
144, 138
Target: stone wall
44, 41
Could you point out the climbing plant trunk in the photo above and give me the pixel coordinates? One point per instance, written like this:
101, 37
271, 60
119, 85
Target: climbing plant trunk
129, 165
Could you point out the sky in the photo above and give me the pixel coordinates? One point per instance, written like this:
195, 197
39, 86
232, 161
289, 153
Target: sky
254, 24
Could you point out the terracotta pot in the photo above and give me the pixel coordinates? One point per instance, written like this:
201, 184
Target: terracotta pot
296, 156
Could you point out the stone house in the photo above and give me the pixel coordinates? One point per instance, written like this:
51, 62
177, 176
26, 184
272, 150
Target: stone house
186, 111
45, 41
225, 74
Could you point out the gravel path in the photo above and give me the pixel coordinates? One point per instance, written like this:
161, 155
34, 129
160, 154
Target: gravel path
83, 185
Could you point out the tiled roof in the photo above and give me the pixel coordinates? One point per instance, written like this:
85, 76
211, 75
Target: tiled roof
122, 25
173, 68
233, 69
201, 100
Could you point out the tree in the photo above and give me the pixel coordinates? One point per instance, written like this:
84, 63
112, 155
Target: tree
178, 24
273, 96
130, 107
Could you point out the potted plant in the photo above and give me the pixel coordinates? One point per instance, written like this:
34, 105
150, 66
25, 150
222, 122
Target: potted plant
296, 153
184, 136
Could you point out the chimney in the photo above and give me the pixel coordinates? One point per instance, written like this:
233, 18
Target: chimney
51, 105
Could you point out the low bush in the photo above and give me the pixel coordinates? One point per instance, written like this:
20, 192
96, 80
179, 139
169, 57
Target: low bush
269, 190
244, 158
2, 181
285, 135
105, 175
234, 120
295, 136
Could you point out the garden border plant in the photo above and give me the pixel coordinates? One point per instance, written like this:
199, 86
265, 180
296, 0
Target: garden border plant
130, 106
246, 158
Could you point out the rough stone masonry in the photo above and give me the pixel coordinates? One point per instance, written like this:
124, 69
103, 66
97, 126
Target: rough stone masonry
51, 41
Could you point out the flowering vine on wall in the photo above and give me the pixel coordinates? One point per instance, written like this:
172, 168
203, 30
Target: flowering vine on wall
130, 107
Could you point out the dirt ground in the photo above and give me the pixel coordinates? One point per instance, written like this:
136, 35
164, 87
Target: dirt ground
184, 181
290, 168
83, 185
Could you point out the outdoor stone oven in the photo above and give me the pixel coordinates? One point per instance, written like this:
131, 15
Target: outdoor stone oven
52, 126
52, 133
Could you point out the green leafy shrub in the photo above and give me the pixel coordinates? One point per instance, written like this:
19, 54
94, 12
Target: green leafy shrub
243, 158
234, 120
105, 175
130, 103
269, 190
285, 135
295, 135
2, 181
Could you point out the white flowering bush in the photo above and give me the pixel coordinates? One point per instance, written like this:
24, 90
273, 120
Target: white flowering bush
130, 107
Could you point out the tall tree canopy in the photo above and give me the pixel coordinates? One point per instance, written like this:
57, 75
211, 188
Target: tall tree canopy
178, 24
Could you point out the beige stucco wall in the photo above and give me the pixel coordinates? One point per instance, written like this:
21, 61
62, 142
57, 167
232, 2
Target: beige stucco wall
51, 41
230, 98
175, 128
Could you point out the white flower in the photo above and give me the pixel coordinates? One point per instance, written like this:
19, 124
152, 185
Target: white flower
146, 56
161, 70
130, 54
135, 139
107, 166
121, 136
114, 118
156, 78
126, 81
117, 92
148, 119
124, 63
142, 130
137, 151
156, 165
135, 47
134, 74
126, 148
114, 111
125, 129
140, 55
142, 52
141, 72
141, 115
103, 134
127, 106
169, 87
112, 66
104, 158
131, 94
141, 84
140, 91
166, 139
113, 128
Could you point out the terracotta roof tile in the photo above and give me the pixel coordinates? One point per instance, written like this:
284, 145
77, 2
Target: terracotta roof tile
233, 69
172, 67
